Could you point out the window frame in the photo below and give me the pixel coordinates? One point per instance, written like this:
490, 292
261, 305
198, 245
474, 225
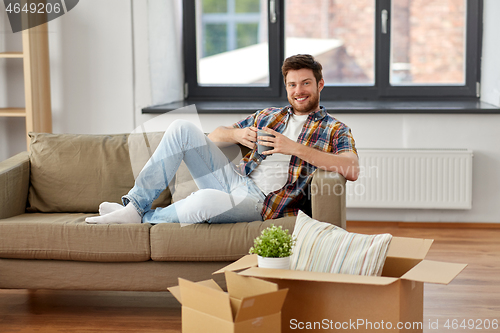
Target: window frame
381, 90
194, 90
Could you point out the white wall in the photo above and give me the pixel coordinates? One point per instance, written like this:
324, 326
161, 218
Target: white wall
476, 132
91, 62
100, 82
92, 68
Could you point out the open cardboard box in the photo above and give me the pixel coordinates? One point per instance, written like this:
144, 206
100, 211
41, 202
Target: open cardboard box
351, 303
250, 305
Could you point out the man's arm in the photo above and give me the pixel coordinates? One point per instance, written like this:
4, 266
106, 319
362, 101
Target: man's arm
346, 163
245, 136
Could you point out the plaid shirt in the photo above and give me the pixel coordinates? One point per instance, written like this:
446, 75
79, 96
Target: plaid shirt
320, 131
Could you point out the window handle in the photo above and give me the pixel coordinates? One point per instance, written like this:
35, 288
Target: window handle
272, 10
385, 17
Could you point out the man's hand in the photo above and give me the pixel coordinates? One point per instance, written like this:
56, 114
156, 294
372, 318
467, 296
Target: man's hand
246, 136
345, 163
280, 143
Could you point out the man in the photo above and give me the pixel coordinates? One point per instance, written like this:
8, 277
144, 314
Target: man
262, 186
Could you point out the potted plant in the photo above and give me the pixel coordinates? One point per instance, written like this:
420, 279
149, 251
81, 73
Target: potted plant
273, 247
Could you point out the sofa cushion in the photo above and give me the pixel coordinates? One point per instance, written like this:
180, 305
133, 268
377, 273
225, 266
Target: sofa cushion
69, 237
208, 242
75, 173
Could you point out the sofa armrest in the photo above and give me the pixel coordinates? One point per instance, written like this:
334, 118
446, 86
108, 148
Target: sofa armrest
328, 197
14, 184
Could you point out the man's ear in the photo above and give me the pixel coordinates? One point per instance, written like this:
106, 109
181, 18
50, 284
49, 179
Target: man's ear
321, 85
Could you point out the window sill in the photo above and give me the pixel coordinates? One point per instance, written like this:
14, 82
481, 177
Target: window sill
353, 107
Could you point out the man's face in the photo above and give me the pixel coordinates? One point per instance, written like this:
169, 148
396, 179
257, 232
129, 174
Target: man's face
303, 91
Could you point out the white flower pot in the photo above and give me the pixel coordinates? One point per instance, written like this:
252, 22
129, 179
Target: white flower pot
277, 263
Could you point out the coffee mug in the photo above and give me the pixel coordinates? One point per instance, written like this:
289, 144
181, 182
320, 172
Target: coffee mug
262, 148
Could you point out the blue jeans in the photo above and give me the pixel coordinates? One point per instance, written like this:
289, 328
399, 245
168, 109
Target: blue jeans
224, 194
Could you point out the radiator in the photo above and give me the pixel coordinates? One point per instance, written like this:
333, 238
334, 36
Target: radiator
412, 178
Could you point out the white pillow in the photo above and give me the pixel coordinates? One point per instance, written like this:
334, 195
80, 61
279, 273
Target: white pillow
323, 247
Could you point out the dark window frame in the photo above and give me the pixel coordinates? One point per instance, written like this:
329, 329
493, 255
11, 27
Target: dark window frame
194, 90
381, 90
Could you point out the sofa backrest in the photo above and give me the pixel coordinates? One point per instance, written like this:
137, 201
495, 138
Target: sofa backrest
76, 172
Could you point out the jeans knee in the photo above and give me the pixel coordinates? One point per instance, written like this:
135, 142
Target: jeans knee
181, 127
180, 123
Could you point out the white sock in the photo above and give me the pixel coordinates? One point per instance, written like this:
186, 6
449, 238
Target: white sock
127, 214
108, 207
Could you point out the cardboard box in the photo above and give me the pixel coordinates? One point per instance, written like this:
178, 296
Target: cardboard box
250, 305
351, 303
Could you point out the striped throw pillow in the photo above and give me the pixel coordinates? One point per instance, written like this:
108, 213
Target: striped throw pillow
323, 247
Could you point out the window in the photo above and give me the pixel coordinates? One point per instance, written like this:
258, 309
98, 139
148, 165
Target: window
369, 49
232, 32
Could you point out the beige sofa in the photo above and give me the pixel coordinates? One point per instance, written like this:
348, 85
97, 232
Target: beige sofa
45, 196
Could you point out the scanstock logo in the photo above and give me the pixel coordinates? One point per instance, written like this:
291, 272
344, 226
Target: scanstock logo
25, 14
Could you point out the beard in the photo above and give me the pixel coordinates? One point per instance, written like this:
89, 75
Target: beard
312, 104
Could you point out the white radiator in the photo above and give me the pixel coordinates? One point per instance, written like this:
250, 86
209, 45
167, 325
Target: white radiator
412, 178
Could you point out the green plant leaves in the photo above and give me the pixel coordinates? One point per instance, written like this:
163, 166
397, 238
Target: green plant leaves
274, 242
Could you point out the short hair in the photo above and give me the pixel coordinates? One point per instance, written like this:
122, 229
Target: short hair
300, 61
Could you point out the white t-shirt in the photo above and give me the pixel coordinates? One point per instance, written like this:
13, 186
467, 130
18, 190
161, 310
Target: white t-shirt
272, 173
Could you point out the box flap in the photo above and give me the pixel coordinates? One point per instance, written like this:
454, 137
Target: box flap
242, 286
235, 305
176, 291
318, 277
205, 299
210, 284
404, 247
261, 305
240, 264
434, 272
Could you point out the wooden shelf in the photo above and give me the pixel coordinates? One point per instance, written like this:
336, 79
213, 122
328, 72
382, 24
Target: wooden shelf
11, 55
36, 72
12, 112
